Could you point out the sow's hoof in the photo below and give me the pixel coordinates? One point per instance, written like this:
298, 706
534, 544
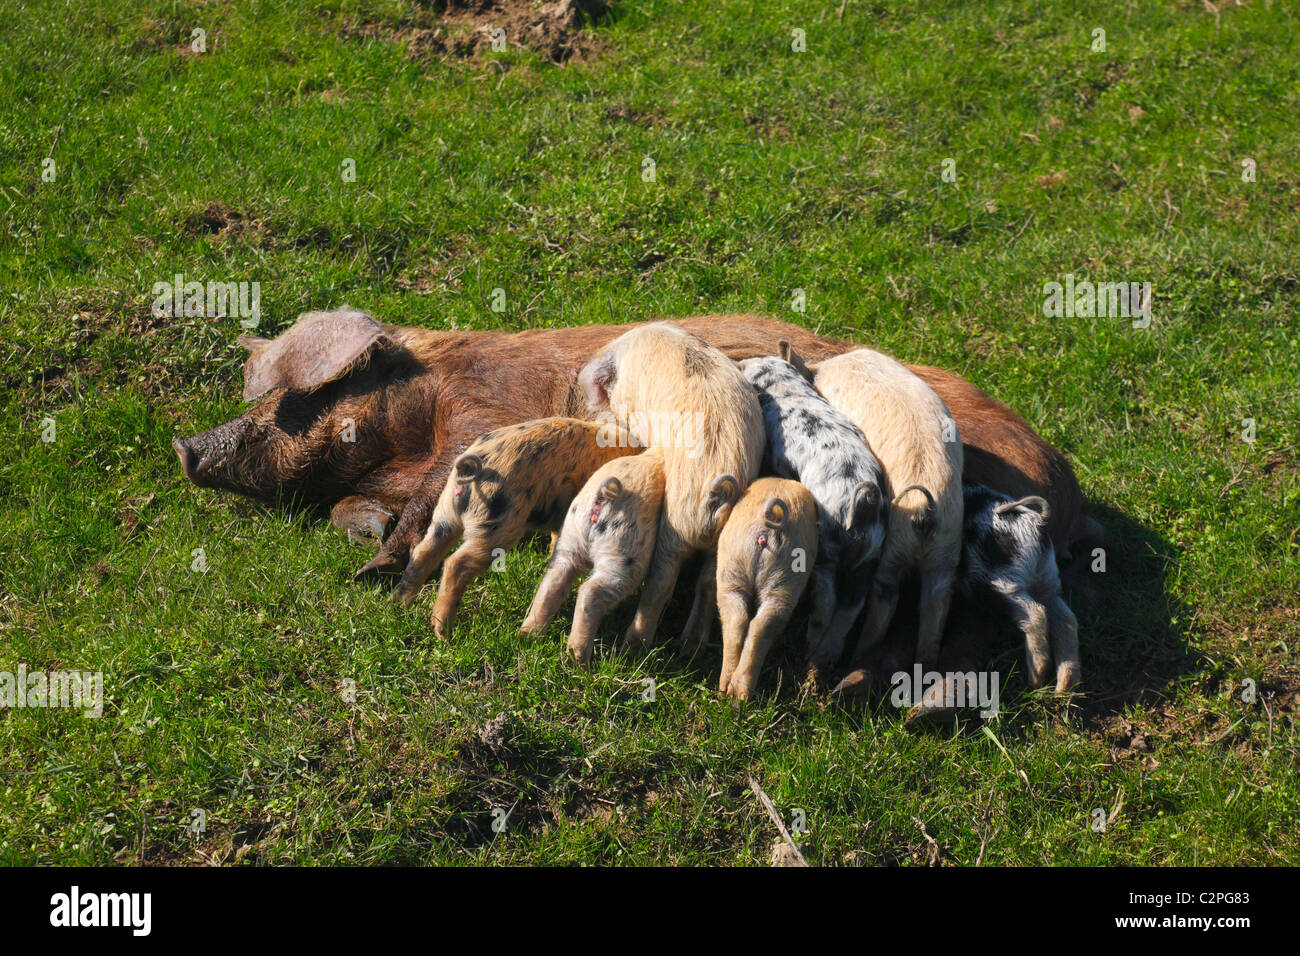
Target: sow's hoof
381, 565
363, 518
936, 706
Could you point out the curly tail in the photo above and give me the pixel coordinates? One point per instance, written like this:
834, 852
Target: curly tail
719, 500
775, 511
465, 470
923, 521
611, 489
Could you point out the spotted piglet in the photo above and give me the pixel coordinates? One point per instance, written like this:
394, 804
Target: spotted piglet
1008, 562
765, 557
510, 481
809, 441
610, 530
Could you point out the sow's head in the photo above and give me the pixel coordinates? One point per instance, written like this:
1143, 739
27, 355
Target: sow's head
318, 385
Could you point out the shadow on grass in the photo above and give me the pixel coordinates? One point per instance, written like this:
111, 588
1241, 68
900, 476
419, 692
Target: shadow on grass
1133, 634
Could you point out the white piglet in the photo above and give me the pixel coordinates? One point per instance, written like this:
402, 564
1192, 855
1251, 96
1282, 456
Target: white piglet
683, 398
912, 433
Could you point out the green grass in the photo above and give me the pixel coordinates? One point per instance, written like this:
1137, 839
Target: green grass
775, 170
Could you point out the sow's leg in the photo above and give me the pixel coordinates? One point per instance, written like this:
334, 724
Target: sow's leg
411, 526
416, 514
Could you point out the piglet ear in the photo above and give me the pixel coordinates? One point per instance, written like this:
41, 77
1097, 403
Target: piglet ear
319, 348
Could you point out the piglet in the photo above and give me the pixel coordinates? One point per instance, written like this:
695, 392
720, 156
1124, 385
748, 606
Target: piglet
1008, 563
809, 441
610, 530
681, 396
765, 558
508, 482
915, 437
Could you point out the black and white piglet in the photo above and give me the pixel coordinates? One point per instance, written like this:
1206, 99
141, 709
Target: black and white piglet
1008, 561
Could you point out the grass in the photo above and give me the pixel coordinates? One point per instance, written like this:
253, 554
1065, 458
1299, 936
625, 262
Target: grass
774, 171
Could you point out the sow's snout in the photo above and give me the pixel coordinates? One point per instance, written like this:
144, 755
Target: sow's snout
206, 457
188, 456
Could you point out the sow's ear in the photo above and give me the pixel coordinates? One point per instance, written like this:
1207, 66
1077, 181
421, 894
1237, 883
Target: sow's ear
321, 347
787, 353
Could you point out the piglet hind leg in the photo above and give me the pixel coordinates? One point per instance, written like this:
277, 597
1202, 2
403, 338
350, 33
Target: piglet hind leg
699, 626
551, 592
598, 594
670, 551
1031, 617
733, 609
425, 558
823, 651
470, 560
764, 629
880, 611
1063, 630
936, 595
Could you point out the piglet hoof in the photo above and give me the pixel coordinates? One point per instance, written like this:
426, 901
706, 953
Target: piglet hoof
855, 684
441, 628
380, 565
738, 691
1067, 676
579, 651
636, 641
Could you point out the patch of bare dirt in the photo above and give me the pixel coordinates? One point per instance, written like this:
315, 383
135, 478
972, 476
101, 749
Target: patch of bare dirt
219, 223
174, 33
219, 844
493, 733
470, 28
134, 517
622, 113
768, 126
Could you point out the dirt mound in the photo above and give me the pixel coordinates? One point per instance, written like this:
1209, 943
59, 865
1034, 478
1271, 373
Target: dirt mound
219, 222
469, 28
